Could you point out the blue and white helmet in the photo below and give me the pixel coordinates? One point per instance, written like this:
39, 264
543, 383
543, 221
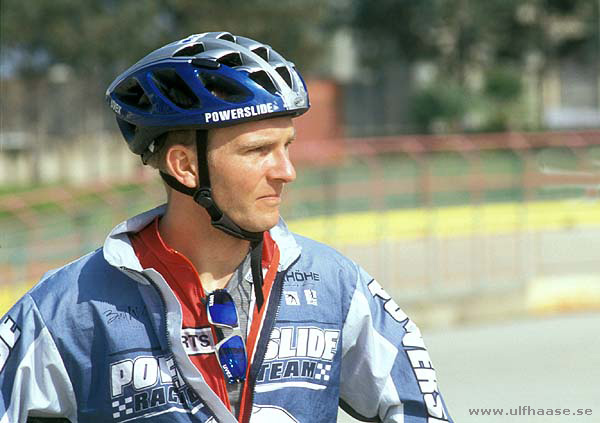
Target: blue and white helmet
204, 81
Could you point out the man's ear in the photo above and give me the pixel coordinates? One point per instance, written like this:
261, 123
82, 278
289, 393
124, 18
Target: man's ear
181, 163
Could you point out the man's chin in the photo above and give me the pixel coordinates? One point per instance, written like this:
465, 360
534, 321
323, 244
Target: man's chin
261, 224
266, 226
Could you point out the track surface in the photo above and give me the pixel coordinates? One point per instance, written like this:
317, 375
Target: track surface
542, 363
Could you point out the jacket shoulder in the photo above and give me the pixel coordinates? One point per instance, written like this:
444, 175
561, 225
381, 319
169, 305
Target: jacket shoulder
69, 282
319, 251
336, 273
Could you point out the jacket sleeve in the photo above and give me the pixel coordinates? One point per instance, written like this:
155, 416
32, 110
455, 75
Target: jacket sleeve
387, 375
33, 378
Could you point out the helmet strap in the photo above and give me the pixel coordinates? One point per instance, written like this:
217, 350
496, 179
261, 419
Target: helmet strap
203, 196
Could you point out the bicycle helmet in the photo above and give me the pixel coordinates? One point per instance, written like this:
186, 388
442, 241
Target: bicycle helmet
205, 81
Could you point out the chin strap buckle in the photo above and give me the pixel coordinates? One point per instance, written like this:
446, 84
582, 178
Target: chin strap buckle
203, 196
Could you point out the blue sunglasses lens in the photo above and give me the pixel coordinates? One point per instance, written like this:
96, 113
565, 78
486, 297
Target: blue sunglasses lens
231, 352
232, 356
222, 309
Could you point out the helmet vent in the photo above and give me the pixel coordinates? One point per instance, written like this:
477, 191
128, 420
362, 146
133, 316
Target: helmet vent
175, 89
227, 37
224, 88
263, 52
127, 129
191, 50
131, 93
232, 59
285, 74
262, 78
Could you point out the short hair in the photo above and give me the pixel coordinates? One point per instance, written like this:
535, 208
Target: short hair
185, 137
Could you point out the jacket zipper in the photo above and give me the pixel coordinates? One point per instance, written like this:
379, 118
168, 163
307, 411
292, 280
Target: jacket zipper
278, 285
166, 331
166, 334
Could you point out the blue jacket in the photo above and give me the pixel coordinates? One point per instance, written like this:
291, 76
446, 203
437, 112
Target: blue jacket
99, 340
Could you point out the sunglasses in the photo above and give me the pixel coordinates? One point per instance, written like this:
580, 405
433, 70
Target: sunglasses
231, 351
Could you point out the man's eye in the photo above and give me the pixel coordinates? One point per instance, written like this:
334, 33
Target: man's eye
259, 149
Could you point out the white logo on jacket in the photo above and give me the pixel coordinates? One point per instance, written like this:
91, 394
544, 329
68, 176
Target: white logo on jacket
148, 384
416, 352
270, 414
197, 341
9, 336
291, 298
300, 357
311, 297
303, 342
267, 414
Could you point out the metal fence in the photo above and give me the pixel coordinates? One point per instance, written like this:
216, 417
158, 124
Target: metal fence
454, 217
430, 216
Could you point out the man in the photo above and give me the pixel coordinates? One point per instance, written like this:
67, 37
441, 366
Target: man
208, 309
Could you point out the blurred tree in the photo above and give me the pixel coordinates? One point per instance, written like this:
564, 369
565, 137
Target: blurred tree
503, 84
490, 36
102, 37
439, 107
459, 33
502, 88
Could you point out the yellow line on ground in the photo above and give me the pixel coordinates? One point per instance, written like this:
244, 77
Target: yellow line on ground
10, 294
447, 222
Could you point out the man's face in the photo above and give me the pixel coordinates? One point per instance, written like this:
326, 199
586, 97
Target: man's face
249, 165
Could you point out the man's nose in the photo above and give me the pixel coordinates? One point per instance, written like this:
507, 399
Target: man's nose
282, 168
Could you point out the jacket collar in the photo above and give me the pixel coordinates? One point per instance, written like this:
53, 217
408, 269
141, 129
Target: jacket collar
119, 253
